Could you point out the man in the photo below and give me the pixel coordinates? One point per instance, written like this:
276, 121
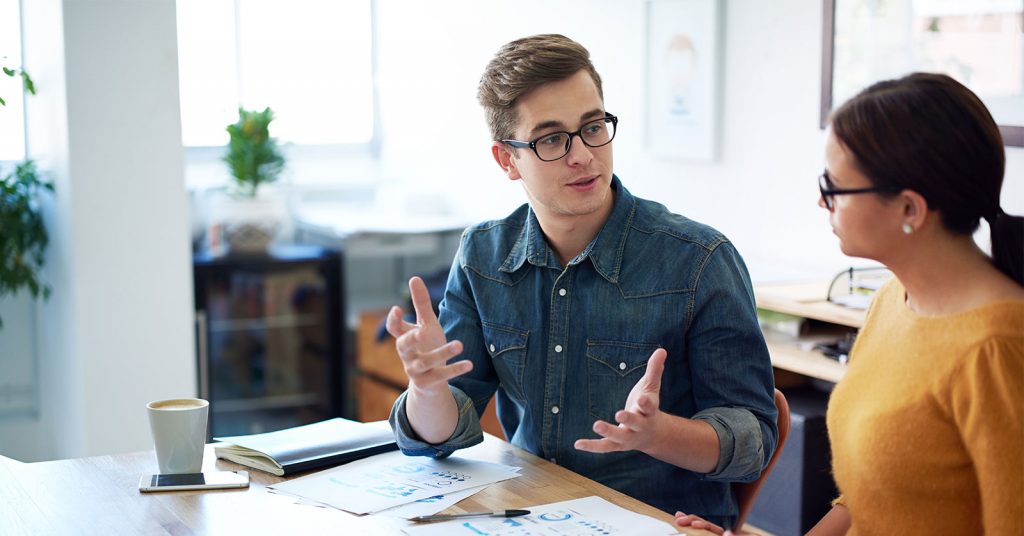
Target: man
578, 307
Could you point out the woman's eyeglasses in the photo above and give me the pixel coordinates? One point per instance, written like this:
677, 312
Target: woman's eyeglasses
829, 191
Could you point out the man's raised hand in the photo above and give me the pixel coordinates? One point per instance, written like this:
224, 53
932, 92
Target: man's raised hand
422, 346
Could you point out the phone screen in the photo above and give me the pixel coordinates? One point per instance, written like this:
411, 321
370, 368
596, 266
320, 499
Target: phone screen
213, 479
185, 479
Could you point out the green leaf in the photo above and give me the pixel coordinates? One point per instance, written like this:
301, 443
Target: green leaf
8, 72
30, 86
2, 102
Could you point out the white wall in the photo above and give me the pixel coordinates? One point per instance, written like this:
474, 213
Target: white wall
117, 332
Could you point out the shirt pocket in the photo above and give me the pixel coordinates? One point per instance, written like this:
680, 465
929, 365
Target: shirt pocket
507, 348
613, 368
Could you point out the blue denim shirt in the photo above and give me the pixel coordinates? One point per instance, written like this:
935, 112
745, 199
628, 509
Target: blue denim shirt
563, 348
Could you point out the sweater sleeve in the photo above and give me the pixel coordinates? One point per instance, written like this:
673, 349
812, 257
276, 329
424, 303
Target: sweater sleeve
987, 403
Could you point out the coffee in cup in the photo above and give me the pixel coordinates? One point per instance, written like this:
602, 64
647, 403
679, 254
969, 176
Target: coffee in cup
179, 433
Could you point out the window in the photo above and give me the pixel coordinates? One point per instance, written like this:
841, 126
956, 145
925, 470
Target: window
311, 61
12, 116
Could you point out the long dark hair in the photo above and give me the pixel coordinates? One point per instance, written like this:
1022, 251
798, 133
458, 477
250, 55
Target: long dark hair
930, 134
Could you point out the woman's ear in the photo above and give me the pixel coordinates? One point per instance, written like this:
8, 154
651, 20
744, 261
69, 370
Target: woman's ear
506, 160
915, 210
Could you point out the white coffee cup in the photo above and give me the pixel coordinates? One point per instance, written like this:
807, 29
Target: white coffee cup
179, 433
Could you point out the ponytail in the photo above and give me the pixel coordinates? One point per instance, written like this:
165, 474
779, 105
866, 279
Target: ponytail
1008, 244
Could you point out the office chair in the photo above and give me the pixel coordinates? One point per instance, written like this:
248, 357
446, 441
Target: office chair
747, 492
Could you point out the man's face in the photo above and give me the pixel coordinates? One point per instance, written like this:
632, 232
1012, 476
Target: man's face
576, 186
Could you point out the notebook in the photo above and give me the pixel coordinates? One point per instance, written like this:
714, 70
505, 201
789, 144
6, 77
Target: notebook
312, 446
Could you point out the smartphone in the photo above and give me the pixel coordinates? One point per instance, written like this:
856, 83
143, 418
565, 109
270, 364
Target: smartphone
183, 481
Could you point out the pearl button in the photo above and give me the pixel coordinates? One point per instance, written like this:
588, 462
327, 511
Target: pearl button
554, 409
492, 348
558, 348
561, 292
622, 366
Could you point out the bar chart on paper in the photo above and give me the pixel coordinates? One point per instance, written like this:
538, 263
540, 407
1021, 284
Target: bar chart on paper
388, 480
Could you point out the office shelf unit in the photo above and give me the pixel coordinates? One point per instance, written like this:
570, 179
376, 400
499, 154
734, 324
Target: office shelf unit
823, 320
270, 338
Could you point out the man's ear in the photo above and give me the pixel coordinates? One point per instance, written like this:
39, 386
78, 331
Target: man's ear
502, 154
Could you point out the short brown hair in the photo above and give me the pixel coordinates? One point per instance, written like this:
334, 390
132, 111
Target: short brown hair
523, 65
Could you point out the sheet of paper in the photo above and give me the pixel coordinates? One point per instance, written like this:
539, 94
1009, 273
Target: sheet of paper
578, 517
391, 479
433, 505
422, 507
430, 505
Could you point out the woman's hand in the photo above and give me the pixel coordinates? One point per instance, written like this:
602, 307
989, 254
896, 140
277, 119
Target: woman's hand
697, 522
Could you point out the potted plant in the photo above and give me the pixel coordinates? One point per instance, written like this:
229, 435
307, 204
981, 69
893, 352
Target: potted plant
252, 154
248, 219
23, 238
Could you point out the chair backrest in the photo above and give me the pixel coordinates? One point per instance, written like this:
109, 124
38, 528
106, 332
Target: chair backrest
747, 492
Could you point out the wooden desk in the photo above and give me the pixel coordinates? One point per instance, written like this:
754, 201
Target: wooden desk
100, 495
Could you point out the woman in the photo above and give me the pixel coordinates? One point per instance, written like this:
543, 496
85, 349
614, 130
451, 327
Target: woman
927, 427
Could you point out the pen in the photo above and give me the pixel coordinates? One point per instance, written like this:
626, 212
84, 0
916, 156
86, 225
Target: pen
446, 517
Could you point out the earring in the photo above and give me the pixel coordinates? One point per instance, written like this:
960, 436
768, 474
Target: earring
907, 229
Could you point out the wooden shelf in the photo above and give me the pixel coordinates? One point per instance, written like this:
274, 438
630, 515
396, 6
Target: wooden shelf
789, 354
807, 300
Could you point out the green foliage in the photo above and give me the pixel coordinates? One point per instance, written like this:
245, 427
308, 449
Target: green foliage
23, 236
253, 155
26, 80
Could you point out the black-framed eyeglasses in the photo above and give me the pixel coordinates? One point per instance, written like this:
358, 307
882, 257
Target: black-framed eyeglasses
555, 145
829, 191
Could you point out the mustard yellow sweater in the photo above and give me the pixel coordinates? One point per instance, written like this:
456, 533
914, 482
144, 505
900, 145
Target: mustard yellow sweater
927, 426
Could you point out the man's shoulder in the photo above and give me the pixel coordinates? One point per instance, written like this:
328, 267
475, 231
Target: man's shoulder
490, 230
656, 222
488, 238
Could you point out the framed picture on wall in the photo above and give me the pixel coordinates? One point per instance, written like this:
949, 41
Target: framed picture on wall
683, 78
979, 43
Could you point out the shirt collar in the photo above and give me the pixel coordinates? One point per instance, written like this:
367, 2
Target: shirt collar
604, 251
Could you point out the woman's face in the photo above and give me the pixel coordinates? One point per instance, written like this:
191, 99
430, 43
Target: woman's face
867, 224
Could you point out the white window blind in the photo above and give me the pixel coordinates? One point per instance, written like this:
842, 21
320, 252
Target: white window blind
311, 61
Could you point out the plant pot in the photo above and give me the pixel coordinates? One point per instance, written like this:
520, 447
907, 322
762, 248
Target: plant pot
247, 225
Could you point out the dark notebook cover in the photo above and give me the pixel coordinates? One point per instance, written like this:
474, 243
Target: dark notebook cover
303, 448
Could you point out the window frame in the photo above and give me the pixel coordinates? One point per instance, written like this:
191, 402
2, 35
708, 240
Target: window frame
21, 94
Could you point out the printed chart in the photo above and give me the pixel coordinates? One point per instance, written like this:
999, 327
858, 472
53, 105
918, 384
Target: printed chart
388, 480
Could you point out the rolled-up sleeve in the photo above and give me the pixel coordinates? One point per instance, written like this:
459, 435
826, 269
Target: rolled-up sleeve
467, 431
741, 451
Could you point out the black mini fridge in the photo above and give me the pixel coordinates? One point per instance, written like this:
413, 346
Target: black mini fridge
270, 338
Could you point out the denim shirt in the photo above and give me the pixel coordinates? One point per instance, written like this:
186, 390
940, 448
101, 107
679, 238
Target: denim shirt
564, 347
